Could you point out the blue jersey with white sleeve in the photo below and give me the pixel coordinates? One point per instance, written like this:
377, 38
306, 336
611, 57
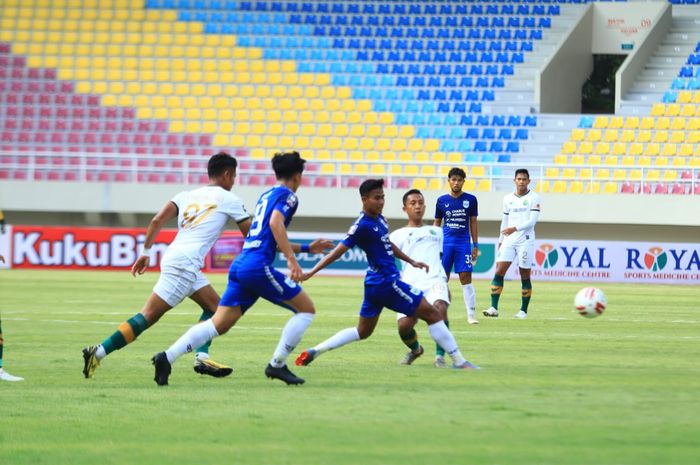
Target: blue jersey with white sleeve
455, 214
372, 236
260, 245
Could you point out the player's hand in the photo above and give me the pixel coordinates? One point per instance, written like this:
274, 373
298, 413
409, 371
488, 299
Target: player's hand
140, 265
509, 231
421, 265
305, 277
295, 272
320, 245
2, 259
475, 254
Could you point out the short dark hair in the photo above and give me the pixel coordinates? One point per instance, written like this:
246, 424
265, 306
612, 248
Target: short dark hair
287, 164
369, 185
457, 172
411, 192
219, 163
521, 171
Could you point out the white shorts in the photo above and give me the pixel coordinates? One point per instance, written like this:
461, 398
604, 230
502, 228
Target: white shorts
522, 252
432, 291
174, 284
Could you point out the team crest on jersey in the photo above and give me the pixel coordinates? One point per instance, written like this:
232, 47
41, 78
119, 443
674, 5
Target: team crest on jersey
292, 200
525, 203
465, 203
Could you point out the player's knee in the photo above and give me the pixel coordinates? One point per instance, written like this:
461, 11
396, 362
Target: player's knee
405, 325
364, 333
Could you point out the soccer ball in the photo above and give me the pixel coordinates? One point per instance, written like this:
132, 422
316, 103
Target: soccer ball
590, 302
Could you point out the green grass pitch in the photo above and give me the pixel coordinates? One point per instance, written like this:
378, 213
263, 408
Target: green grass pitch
623, 388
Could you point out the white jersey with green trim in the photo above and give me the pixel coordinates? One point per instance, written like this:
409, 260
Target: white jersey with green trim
423, 244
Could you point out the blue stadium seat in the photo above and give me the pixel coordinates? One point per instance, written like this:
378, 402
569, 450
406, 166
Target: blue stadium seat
669, 97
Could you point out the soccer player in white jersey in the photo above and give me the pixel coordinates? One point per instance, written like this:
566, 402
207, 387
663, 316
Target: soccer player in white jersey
422, 243
201, 216
521, 210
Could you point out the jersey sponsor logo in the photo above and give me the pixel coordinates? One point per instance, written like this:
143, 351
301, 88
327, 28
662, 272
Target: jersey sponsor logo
352, 229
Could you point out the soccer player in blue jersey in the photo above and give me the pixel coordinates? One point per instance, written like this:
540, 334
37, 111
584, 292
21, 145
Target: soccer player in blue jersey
383, 288
456, 212
252, 276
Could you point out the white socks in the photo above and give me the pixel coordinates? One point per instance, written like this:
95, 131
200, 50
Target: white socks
100, 353
345, 336
291, 335
469, 299
194, 337
442, 335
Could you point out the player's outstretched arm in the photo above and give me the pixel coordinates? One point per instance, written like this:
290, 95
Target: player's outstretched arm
474, 232
317, 246
167, 213
402, 256
334, 254
244, 227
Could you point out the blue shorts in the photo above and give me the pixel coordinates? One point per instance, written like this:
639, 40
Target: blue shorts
458, 256
395, 295
247, 284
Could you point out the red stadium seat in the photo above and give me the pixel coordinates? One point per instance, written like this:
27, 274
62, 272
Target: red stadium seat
678, 189
661, 189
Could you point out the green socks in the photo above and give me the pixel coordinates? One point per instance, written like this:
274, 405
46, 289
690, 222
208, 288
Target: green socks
526, 294
496, 289
126, 333
410, 339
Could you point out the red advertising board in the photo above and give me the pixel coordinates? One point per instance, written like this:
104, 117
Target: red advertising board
101, 248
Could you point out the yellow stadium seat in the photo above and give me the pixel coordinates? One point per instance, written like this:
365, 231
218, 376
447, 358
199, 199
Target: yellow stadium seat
551, 173
415, 145
407, 132
652, 149
635, 175
685, 150
568, 148
660, 137
577, 159
592, 187
346, 168
410, 170
361, 169
677, 137
631, 122
594, 135
653, 175
636, 149
542, 186
678, 124
610, 135
600, 122
611, 160
568, 173
644, 161
419, 183
610, 188
431, 145
602, 174
422, 157
585, 173
627, 135
327, 168
644, 136
585, 148
578, 134
377, 170
688, 110
663, 123
428, 170
647, 123
620, 174
658, 109
629, 159
616, 122
438, 157
435, 184
602, 148
684, 96
576, 187
661, 161
619, 148
484, 185
469, 185
395, 170
669, 150
593, 160
477, 171
678, 161
561, 159
696, 97
693, 137
670, 175
559, 187
454, 157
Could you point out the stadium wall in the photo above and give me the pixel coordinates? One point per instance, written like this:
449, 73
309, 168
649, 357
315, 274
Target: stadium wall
603, 28
566, 216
